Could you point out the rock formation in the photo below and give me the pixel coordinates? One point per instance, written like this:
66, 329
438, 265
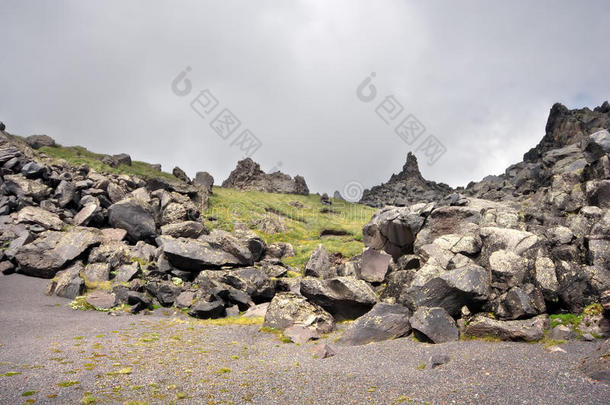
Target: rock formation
405, 188
249, 176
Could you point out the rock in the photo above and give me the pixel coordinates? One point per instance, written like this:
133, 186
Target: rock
249, 176
451, 221
288, 309
7, 267
596, 364
2, 126
325, 199
204, 179
597, 145
301, 334
38, 141
383, 322
165, 292
135, 216
185, 229
319, 264
253, 282
32, 170
67, 283
434, 324
195, 255
405, 188
208, 310
343, 297
65, 193
115, 192
525, 330
127, 272
24, 238
74, 243
374, 266
270, 224
507, 267
180, 174
280, 250
337, 196
587, 337
139, 301
35, 262
113, 234
437, 360
101, 300
509, 239
393, 230
185, 299
174, 212
546, 277
23, 187
259, 310
323, 351
562, 332
517, 304
35, 215
97, 272
122, 159
451, 290
85, 214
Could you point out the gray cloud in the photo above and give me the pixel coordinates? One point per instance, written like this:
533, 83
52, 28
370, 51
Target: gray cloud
480, 75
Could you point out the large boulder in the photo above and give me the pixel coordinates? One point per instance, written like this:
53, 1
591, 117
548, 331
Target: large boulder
74, 243
253, 282
451, 290
513, 240
38, 141
208, 310
597, 365
288, 309
39, 216
343, 297
393, 229
383, 322
184, 229
434, 324
375, 265
195, 254
522, 330
67, 283
135, 216
204, 179
319, 264
449, 220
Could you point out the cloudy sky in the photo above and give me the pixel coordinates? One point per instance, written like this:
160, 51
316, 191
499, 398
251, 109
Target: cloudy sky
479, 75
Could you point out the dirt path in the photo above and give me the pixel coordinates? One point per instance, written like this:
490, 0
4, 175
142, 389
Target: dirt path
61, 355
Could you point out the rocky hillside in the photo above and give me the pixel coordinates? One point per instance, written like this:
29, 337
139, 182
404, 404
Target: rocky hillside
507, 262
405, 188
249, 176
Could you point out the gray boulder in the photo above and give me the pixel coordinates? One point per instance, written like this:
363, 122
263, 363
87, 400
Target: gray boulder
195, 254
434, 324
101, 299
97, 272
383, 322
204, 179
184, 229
524, 330
375, 265
122, 159
343, 297
208, 310
38, 141
67, 283
393, 230
253, 282
319, 264
135, 216
288, 309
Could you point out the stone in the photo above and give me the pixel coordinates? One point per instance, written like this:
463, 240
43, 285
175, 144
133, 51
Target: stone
101, 300
343, 297
288, 309
528, 330
393, 230
517, 304
270, 224
546, 277
122, 159
174, 212
323, 351
437, 360
39, 141
253, 282
74, 243
383, 322
85, 214
165, 292
127, 272
597, 145
508, 239
208, 310
184, 229
97, 272
65, 193
301, 334
194, 254
113, 234
22, 187
450, 220
256, 311
35, 215
32, 170
434, 324
67, 283
374, 266
181, 175
204, 179
115, 192
185, 299
134, 216
507, 267
319, 264
7, 267
596, 365
562, 332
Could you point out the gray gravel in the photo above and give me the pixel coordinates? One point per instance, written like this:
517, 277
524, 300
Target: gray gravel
163, 358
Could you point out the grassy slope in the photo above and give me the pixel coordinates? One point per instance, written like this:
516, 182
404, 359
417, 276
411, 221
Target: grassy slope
303, 225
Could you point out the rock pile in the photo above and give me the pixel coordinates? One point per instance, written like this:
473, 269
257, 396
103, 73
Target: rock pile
249, 176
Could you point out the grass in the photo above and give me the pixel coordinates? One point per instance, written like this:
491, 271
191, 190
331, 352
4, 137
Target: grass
304, 223
77, 155
233, 320
66, 384
574, 320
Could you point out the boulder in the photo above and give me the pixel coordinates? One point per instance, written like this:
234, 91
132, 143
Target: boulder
509, 239
301, 334
208, 310
288, 309
127, 272
22, 187
522, 330
38, 141
74, 243
451, 290
249, 176
204, 179
86, 214
36, 215
434, 324
383, 322
596, 364
122, 159
135, 216
195, 255
343, 297
374, 266
323, 351
165, 292
180, 174
562, 332
67, 283
101, 299
253, 282
184, 229
546, 277
319, 264
97, 272
597, 145
449, 220
393, 230
507, 267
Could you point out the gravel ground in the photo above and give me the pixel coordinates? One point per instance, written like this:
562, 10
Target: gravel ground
64, 356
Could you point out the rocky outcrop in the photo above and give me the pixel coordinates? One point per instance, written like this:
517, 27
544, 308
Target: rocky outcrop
249, 176
405, 188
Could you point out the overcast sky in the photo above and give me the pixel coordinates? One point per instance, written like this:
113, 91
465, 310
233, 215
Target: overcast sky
480, 76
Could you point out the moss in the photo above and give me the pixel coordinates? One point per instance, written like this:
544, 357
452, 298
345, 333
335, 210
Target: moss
65, 384
81, 304
233, 320
552, 342
486, 338
88, 399
10, 374
223, 370
28, 393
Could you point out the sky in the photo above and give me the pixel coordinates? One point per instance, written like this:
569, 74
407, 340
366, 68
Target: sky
157, 79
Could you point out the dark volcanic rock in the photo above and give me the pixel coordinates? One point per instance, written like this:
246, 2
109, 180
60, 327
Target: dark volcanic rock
204, 179
38, 141
207, 310
435, 325
405, 188
319, 264
597, 365
288, 309
383, 322
249, 176
527, 330
394, 230
194, 254
135, 216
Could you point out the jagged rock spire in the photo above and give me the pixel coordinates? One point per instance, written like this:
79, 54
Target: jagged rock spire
410, 172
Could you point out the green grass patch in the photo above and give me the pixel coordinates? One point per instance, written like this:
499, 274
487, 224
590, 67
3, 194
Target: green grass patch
301, 216
10, 374
233, 320
66, 384
28, 393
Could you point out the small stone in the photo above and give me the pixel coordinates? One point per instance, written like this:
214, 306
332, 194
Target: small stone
438, 360
323, 351
587, 337
301, 334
